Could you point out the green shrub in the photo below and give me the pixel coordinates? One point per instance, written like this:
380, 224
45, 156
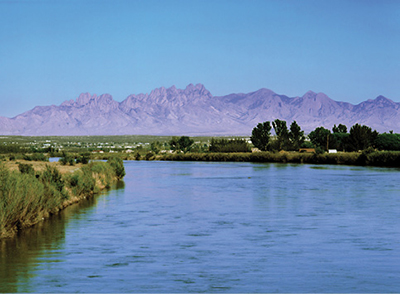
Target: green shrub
150, 156
26, 168
25, 198
81, 182
66, 159
35, 157
226, 146
83, 158
118, 165
137, 156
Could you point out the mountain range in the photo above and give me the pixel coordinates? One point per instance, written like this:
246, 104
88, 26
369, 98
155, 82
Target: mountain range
194, 111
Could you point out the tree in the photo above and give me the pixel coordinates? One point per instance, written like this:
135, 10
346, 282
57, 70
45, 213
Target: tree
388, 141
342, 129
339, 141
339, 137
320, 137
183, 143
296, 136
361, 137
83, 158
155, 147
260, 135
66, 159
281, 132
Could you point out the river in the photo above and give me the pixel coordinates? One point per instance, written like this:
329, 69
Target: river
219, 227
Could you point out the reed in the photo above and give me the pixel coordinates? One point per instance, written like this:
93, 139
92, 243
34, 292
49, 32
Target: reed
27, 198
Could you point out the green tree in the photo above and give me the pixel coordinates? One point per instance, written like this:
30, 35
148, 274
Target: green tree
339, 129
320, 138
388, 141
339, 137
296, 136
260, 135
155, 147
282, 133
339, 141
361, 137
174, 144
83, 158
183, 143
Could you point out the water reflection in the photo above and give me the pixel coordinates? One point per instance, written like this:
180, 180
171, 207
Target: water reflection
223, 227
22, 257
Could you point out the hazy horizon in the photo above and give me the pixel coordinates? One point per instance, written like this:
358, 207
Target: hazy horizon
53, 51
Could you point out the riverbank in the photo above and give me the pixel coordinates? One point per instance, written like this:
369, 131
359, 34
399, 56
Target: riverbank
29, 197
369, 158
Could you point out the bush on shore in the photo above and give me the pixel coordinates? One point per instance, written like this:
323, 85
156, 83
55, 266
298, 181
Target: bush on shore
368, 157
118, 165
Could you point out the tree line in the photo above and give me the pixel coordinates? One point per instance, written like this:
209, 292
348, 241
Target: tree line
360, 137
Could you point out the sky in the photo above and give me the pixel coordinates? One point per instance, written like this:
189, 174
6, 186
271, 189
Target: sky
54, 50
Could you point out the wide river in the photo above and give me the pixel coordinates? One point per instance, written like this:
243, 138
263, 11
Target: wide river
219, 227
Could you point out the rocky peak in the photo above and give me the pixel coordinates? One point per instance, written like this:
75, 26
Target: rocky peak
309, 95
380, 101
104, 98
68, 103
158, 92
198, 90
84, 99
383, 100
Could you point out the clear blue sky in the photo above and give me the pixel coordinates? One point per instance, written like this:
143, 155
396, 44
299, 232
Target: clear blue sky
53, 50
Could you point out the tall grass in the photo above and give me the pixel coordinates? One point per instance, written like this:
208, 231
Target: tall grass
27, 198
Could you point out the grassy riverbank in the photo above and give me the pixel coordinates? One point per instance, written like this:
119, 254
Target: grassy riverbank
28, 197
372, 158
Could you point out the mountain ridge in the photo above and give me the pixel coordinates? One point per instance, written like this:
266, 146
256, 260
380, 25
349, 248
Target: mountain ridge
195, 111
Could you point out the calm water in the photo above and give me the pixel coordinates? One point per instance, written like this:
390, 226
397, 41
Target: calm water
219, 227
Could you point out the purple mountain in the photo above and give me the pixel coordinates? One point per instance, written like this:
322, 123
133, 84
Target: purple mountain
195, 111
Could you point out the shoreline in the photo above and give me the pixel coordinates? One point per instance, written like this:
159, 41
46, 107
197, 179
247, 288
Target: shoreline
365, 158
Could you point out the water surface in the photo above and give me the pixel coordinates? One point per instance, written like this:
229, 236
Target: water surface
219, 227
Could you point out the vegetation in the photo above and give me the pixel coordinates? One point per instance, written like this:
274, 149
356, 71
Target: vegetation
296, 136
118, 166
375, 158
66, 159
226, 145
359, 138
26, 168
36, 157
320, 138
388, 141
260, 136
282, 134
82, 149
28, 196
182, 144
